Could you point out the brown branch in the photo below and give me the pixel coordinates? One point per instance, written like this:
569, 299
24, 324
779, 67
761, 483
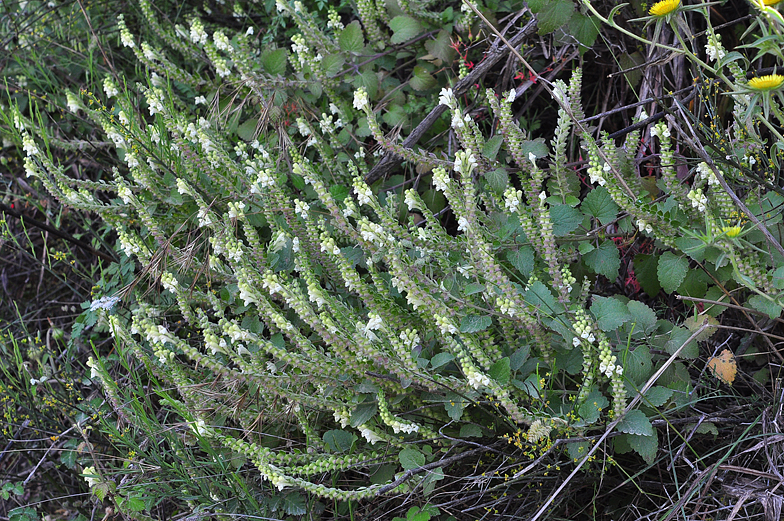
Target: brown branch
495, 54
54, 231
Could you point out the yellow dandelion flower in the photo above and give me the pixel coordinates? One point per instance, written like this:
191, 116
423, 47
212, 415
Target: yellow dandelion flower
770, 2
664, 7
731, 231
768, 82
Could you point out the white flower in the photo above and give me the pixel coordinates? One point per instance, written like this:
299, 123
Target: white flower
511, 96
374, 323
713, 48
221, 41
447, 97
369, 434
149, 52
198, 34
200, 100
532, 158
477, 379
90, 475
512, 198
465, 162
110, 88
698, 199
440, 179
364, 194
542, 196
74, 104
249, 32
462, 224
410, 200
29, 146
127, 38
457, 119
360, 99
105, 302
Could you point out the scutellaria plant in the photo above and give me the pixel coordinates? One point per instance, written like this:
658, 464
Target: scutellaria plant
369, 318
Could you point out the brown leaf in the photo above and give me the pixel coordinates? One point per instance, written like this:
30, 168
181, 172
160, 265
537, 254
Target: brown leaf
724, 367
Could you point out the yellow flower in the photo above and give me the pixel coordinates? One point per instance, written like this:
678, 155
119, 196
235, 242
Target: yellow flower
731, 231
769, 82
770, 2
665, 7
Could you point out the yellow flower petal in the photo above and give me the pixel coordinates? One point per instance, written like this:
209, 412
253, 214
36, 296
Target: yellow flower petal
665, 7
731, 231
770, 2
769, 82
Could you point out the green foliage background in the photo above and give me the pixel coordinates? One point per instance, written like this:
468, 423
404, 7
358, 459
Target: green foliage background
368, 255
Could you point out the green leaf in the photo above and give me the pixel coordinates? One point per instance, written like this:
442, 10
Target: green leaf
522, 259
248, 129
294, 504
472, 288
351, 39
274, 61
694, 284
422, 79
498, 179
474, 323
551, 14
565, 219
645, 446
454, 405
643, 317
590, 410
363, 413
134, 503
367, 79
501, 371
604, 260
657, 396
411, 459
585, 29
441, 359
338, 192
396, 115
610, 313
778, 278
338, 440
383, 474
470, 430
519, 357
635, 422
637, 364
536, 147
600, 205
764, 305
540, 296
492, 146
428, 485
404, 28
678, 336
671, 271
332, 64
645, 270
706, 428
632, 62
441, 47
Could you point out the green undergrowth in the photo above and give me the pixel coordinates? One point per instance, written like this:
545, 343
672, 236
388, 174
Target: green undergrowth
356, 282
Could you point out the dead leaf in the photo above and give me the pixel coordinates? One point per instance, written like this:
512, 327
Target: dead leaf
724, 367
694, 323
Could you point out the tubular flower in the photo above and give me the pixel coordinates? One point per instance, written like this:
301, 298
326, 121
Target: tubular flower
664, 7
